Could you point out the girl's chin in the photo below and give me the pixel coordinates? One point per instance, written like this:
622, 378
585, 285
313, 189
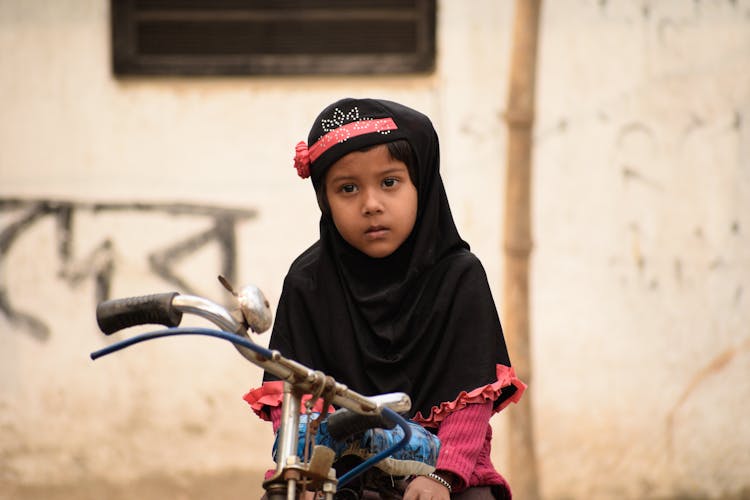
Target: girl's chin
377, 251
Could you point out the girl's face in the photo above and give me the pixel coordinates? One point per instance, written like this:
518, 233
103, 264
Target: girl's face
372, 200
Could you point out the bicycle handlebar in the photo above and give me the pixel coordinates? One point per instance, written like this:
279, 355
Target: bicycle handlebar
253, 313
163, 309
344, 423
167, 309
115, 315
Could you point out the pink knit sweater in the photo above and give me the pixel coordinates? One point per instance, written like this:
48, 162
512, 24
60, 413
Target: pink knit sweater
465, 437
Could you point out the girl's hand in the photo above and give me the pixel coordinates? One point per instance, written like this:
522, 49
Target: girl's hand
424, 488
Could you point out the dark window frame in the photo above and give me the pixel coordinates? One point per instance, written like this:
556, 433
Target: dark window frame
131, 31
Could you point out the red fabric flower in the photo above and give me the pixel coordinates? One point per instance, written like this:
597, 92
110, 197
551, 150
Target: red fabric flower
302, 160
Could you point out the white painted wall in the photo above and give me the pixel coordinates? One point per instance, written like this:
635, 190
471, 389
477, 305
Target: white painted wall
641, 220
642, 263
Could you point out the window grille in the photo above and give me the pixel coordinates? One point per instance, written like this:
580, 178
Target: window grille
272, 37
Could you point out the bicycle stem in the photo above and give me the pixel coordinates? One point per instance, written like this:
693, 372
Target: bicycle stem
290, 411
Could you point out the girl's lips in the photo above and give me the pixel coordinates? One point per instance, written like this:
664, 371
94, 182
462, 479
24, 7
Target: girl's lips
376, 232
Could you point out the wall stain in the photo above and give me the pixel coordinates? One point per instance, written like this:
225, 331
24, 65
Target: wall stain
630, 173
695, 124
99, 264
634, 128
714, 366
737, 121
678, 271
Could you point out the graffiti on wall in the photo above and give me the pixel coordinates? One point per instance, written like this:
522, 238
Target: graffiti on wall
21, 215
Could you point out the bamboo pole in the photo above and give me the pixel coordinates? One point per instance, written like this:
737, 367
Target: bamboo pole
518, 242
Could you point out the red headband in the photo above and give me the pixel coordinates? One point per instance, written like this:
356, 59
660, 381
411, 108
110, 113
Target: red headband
304, 157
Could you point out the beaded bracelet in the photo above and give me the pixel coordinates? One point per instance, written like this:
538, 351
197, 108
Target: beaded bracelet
440, 480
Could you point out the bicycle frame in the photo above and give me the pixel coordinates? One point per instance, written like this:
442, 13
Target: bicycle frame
298, 379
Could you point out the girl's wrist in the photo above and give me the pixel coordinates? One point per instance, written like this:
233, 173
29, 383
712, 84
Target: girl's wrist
443, 478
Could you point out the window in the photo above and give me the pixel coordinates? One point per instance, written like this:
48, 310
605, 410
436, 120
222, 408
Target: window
262, 37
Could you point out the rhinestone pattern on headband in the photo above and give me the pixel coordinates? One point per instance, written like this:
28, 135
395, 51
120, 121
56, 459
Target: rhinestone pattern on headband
339, 118
352, 129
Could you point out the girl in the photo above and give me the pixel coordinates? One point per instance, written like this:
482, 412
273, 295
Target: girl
390, 298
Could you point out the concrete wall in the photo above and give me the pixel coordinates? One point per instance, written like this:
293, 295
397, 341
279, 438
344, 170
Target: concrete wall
641, 266
642, 263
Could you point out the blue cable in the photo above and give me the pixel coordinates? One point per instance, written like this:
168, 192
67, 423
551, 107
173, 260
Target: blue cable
170, 332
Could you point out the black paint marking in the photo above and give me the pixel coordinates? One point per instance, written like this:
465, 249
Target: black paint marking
100, 263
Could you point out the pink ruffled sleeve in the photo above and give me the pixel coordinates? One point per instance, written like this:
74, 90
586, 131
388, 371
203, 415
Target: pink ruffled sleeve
266, 402
265, 397
506, 377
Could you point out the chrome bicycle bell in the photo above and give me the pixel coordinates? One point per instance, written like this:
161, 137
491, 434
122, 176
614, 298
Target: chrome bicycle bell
253, 305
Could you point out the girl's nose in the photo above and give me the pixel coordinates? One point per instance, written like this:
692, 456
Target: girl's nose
371, 203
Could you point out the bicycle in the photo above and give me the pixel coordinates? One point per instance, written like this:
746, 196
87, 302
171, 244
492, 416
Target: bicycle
295, 472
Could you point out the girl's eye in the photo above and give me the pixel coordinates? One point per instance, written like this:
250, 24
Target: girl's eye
390, 181
348, 188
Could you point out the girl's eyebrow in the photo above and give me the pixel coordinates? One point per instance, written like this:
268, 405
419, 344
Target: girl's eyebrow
341, 178
394, 170
350, 177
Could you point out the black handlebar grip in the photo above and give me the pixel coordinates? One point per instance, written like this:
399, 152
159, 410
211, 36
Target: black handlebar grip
115, 315
344, 423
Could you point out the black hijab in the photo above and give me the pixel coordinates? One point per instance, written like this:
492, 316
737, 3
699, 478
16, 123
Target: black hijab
421, 320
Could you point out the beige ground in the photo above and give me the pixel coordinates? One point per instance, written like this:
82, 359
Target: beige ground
226, 486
